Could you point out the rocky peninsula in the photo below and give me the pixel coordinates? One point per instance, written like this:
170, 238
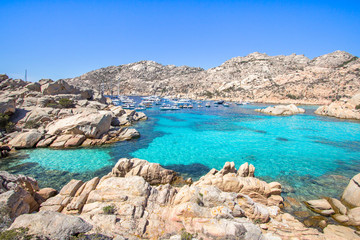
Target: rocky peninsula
59, 115
346, 109
138, 199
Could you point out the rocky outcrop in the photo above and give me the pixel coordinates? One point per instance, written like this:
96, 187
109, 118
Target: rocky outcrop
92, 125
243, 181
336, 232
124, 117
26, 139
153, 173
124, 205
154, 212
7, 105
18, 195
60, 115
348, 110
286, 110
60, 201
345, 211
351, 194
51, 225
256, 77
62, 87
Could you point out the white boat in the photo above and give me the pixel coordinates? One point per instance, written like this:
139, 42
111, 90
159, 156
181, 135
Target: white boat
153, 98
140, 108
226, 104
147, 103
167, 107
125, 99
239, 103
116, 102
207, 104
128, 106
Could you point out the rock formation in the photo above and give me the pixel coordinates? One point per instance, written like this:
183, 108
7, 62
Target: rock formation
348, 109
351, 195
345, 211
51, 225
286, 110
153, 173
60, 115
256, 77
19, 194
225, 204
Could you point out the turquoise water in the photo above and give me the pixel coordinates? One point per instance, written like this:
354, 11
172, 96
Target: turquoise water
310, 155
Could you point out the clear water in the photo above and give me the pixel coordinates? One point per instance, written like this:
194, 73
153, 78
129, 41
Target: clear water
310, 155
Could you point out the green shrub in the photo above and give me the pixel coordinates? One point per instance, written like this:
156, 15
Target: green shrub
15, 234
52, 105
5, 123
291, 96
347, 62
9, 127
4, 120
357, 107
186, 236
32, 124
208, 94
66, 103
109, 209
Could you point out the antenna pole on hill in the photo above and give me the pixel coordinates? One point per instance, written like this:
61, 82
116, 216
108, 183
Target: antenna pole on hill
118, 93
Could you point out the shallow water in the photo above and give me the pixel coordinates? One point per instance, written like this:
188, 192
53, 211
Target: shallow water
310, 155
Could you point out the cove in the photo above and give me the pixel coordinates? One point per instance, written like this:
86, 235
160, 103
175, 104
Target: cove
310, 155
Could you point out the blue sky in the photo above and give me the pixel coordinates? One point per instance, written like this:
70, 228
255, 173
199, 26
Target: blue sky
61, 39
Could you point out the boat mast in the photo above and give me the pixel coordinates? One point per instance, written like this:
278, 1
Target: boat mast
25, 75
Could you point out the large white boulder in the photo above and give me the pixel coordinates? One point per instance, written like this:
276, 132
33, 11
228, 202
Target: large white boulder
92, 125
290, 109
26, 139
52, 225
351, 195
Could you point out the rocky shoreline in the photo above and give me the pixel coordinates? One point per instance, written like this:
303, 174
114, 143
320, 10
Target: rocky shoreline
58, 115
347, 109
138, 199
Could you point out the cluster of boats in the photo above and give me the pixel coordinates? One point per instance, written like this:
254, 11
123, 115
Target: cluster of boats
165, 103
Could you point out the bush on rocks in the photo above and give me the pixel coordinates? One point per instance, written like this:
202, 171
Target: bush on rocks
66, 103
5, 124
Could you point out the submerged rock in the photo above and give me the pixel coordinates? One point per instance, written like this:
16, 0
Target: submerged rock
321, 206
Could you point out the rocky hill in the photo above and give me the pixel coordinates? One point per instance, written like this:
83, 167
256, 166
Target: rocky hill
256, 77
